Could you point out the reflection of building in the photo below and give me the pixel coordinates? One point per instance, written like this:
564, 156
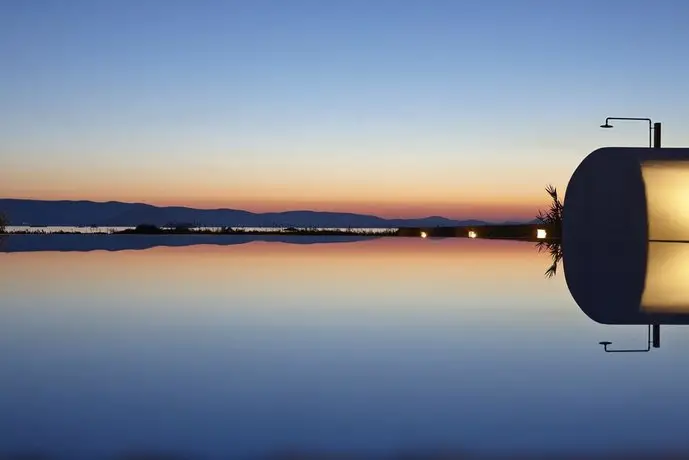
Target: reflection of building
666, 285
554, 248
651, 339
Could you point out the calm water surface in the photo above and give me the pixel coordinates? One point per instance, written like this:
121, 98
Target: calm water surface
376, 346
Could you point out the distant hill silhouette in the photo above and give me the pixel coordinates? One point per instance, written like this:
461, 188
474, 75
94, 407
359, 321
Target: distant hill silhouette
117, 214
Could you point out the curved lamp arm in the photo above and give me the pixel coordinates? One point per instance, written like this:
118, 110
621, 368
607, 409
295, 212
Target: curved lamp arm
630, 350
650, 125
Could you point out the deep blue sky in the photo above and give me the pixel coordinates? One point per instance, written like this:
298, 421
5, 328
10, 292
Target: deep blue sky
395, 107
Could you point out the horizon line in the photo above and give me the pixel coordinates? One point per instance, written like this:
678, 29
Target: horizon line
263, 213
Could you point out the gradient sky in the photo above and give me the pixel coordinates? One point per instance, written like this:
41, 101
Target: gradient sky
398, 108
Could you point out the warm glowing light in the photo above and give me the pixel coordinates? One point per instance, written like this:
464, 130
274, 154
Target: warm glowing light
424, 234
667, 196
541, 233
472, 234
666, 289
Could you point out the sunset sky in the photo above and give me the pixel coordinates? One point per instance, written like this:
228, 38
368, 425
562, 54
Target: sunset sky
398, 108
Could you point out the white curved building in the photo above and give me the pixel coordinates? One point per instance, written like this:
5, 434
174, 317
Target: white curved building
625, 235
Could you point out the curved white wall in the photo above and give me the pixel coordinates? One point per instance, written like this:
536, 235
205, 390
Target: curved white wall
618, 201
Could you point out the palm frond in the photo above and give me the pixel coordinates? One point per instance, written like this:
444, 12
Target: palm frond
554, 248
552, 216
551, 271
552, 191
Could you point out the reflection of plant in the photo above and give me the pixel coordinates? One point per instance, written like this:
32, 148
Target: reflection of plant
552, 217
555, 249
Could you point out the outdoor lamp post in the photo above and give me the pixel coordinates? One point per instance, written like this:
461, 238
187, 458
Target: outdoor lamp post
654, 129
654, 141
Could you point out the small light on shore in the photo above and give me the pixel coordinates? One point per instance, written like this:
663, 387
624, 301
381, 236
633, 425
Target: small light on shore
424, 234
472, 234
541, 233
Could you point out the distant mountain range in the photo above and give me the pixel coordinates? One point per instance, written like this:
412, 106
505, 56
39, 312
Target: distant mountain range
117, 214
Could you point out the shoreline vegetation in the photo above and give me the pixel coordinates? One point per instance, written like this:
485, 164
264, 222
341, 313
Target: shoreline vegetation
527, 232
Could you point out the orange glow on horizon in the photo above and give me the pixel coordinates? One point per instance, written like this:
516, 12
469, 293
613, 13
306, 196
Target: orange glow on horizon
388, 210
506, 197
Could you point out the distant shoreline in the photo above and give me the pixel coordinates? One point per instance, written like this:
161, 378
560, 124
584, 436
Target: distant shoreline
512, 232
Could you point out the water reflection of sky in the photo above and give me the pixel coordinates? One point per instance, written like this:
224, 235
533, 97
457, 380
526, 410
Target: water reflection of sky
374, 345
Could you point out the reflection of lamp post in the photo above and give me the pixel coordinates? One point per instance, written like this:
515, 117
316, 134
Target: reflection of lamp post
655, 341
654, 129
